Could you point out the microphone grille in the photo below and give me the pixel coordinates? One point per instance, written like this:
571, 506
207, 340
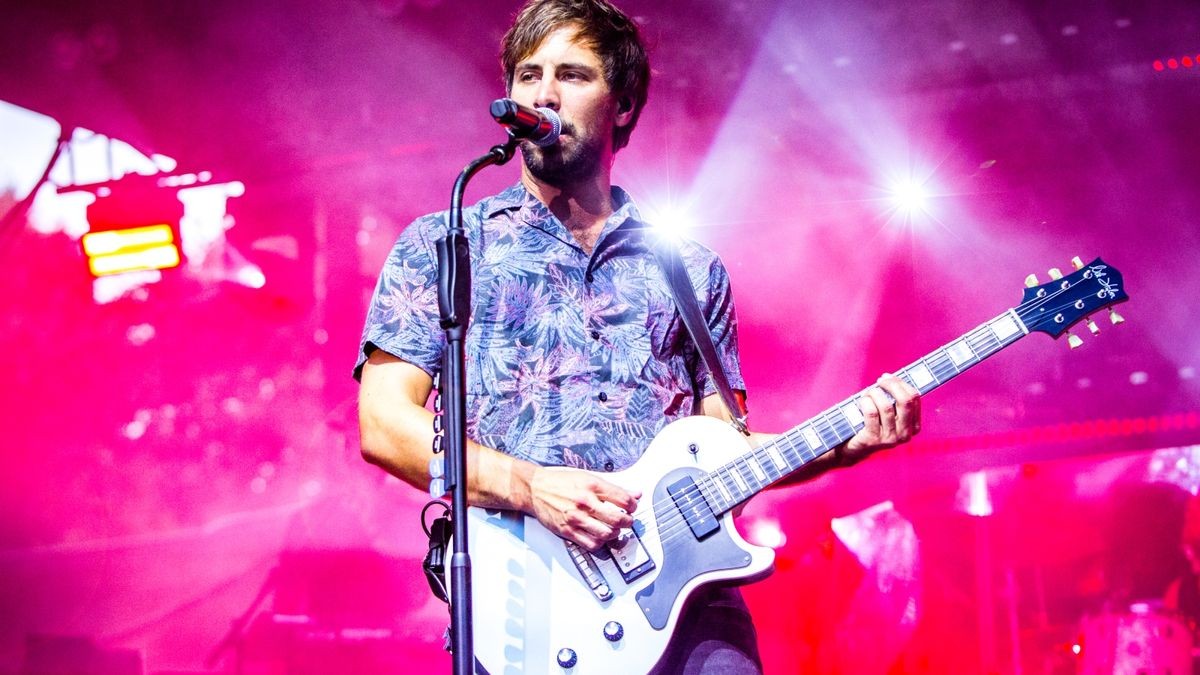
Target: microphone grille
552, 134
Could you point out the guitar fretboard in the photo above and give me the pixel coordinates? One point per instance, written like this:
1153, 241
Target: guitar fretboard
741, 479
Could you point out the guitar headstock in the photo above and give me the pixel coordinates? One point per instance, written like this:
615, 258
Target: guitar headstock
1062, 302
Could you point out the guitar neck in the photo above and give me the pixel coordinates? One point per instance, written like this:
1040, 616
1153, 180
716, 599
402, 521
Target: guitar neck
734, 483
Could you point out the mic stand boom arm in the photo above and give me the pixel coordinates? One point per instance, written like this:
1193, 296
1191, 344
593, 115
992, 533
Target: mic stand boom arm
454, 303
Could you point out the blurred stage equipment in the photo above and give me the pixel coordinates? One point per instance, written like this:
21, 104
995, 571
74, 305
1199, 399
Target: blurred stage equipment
330, 611
76, 655
1143, 639
134, 225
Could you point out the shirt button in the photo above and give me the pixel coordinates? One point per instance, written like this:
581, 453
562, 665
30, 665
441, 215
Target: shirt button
602, 396
588, 277
608, 466
595, 335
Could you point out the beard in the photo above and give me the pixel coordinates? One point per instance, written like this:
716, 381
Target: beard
559, 166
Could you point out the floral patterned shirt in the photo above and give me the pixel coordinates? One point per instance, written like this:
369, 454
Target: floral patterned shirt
572, 359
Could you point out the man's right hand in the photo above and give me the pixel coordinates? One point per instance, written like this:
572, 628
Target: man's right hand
580, 506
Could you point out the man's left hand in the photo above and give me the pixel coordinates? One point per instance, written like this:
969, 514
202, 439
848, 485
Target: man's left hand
886, 423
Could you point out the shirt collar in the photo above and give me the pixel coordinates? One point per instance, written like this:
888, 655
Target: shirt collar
510, 199
516, 196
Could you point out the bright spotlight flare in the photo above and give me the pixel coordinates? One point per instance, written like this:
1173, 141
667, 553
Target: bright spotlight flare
541, 126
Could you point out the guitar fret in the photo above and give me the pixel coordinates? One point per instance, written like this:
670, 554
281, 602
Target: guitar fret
828, 436
960, 352
853, 415
730, 486
819, 427
761, 471
1004, 327
739, 484
791, 452
918, 376
719, 496
773, 452
748, 477
921, 376
771, 467
747, 466
943, 367
813, 439
986, 342
706, 490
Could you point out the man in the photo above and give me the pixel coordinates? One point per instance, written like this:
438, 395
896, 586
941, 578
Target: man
575, 354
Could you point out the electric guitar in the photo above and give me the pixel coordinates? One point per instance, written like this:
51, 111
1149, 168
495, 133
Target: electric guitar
544, 605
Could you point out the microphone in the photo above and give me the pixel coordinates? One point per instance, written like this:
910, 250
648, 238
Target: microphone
541, 126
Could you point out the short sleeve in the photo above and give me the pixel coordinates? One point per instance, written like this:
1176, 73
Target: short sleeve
403, 317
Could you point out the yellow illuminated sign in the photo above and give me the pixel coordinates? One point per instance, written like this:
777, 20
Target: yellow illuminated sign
137, 248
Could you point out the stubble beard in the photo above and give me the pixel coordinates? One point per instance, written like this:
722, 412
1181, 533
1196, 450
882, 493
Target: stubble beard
562, 167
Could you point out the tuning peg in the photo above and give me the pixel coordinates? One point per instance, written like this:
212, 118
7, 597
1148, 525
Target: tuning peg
1031, 281
1114, 317
1074, 341
1055, 273
1077, 262
1093, 327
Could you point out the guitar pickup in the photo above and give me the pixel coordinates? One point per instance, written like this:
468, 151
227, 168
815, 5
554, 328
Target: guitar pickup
694, 507
629, 555
589, 571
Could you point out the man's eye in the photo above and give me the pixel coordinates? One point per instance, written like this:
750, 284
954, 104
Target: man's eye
526, 77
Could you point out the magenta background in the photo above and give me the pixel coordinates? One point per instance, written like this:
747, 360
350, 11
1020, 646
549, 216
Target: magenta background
1045, 132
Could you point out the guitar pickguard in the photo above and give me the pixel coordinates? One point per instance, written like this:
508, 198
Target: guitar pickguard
684, 556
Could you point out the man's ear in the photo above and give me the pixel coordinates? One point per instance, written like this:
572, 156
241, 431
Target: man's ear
624, 111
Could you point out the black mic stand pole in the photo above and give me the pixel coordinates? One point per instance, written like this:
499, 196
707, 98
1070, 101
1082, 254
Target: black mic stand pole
454, 302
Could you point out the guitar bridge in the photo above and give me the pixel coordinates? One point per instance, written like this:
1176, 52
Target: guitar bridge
629, 555
589, 571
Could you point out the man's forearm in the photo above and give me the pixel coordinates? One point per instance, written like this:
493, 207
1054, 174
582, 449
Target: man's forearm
401, 443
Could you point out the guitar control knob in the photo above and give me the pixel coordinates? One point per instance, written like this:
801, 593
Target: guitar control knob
567, 658
613, 631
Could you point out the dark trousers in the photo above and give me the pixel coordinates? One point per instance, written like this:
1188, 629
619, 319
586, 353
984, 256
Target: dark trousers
714, 636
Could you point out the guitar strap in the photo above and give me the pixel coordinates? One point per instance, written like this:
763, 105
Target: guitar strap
684, 294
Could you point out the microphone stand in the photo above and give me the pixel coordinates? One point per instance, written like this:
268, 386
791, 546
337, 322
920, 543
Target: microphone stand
454, 303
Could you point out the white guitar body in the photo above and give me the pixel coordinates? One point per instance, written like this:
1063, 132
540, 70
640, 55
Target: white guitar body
531, 602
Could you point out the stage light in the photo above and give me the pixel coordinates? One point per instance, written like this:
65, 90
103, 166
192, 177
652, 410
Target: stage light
114, 241
1175, 63
134, 226
670, 219
250, 276
134, 249
766, 532
973, 496
164, 163
910, 196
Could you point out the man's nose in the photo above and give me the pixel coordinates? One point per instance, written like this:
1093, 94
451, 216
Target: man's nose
547, 94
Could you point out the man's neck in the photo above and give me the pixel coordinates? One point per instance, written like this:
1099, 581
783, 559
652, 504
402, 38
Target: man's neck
583, 208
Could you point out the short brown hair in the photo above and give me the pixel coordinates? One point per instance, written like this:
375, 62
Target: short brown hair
602, 27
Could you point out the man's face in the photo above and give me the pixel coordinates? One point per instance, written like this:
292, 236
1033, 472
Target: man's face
567, 77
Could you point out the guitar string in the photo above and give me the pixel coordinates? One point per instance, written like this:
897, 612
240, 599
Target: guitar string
839, 429
674, 523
